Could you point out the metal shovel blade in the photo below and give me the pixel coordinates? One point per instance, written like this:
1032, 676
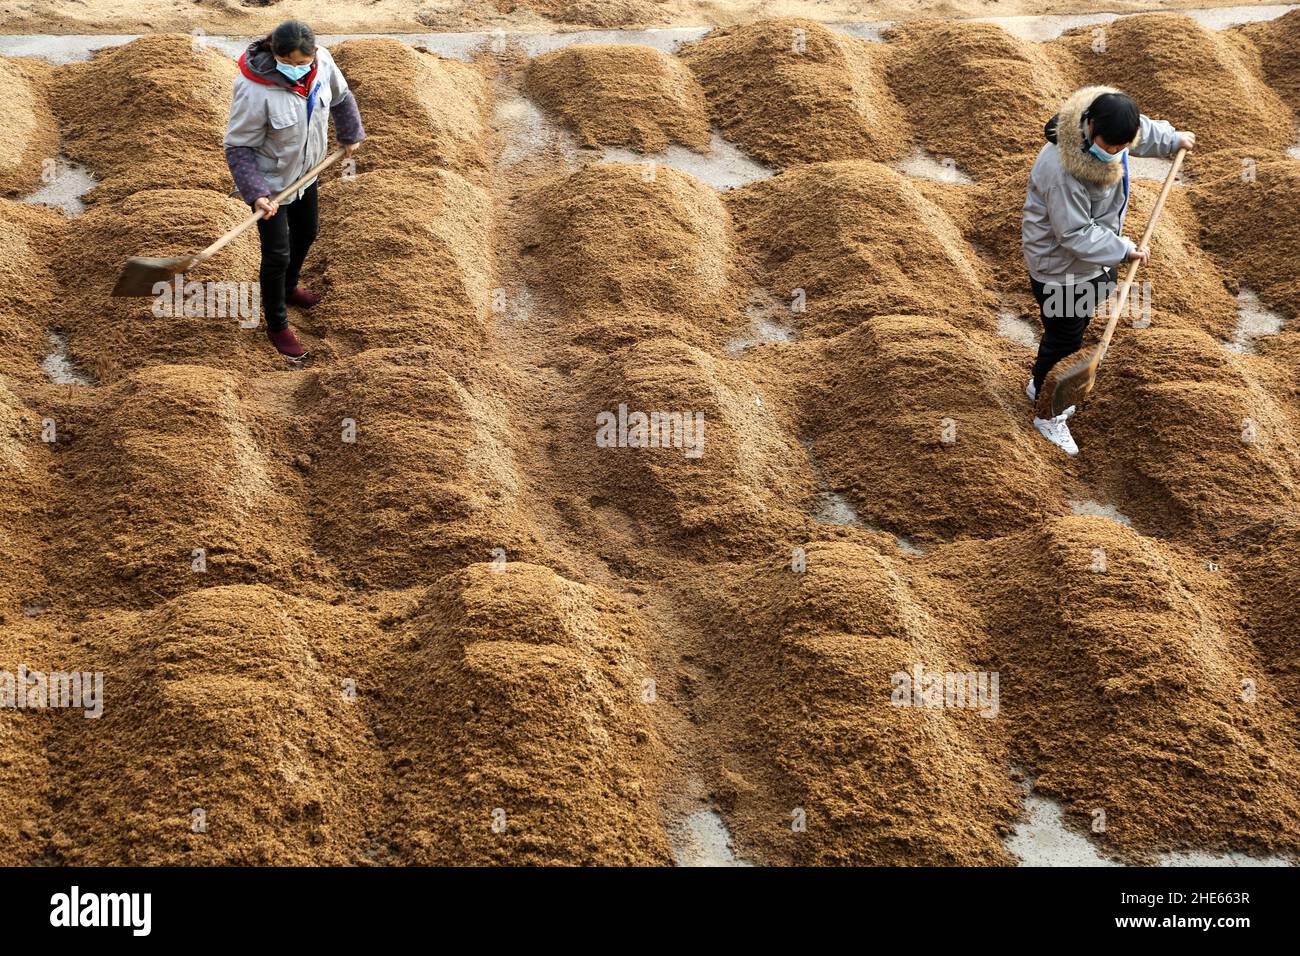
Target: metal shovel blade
141, 273
1074, 382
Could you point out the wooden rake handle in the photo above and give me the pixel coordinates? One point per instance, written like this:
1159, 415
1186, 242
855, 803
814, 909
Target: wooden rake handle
1122, 296
285, 193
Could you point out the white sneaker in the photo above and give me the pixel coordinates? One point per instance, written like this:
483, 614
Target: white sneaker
1057, 432
1033, 397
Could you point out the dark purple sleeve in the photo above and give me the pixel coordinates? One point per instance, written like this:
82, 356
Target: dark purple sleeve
248, 178
347, 121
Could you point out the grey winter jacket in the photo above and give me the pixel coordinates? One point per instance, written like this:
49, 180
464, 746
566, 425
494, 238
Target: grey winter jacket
1074, 211
270, 140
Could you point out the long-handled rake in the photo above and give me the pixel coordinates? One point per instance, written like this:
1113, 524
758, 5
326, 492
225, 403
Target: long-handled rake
140, 273
1072, 378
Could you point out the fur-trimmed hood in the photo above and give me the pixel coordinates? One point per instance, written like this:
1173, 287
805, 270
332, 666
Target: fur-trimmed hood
1066, 129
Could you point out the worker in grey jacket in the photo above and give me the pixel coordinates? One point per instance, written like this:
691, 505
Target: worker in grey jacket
286, 92
1072, 226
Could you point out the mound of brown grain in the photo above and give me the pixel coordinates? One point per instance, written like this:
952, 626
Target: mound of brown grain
916, 422
24, 734
1200, 80
622, 243
514, 714
793, 91
859, 240
31, 134
988, 214
232, 703
29, 235
601, 13
423, 241
737, 481
1185, 288
1250, 209
24, 469
1269, 578
111, 337
616, 95
1186, 442
168, 98
1278, 44
974, 93
419, 109
177, 458
1121, 680
422, 480
806, 689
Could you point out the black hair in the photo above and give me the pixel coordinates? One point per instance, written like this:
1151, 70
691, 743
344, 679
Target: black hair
1115, 118
292, 36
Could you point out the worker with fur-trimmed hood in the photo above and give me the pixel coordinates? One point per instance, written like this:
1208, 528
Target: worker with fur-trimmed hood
1071, 229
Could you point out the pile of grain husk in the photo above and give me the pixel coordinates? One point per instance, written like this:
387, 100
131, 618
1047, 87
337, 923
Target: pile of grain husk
728, 493
920, 426
1121, 676
804, 690
786, 106
514, 716
1278, 44
859, 239
148, 115
24, 516
974, 93
231, 701
601, 13
428, 482
31, 134
403, 257
1186, 441
1186, 290
988, 214
418, 108
29, 237
1268, 576
614, 95
112, 337
24, 763
1197, 79
1252, 225
633, 251
176, 458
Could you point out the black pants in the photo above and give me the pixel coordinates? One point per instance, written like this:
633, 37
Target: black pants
1065, 312
286, 237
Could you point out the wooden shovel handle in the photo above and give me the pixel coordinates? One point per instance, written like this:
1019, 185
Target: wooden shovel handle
1119, 300
288, 191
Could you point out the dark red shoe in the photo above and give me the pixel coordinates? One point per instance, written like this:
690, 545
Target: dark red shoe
302, 298
286, 343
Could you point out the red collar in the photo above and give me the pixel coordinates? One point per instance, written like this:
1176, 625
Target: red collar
302, 89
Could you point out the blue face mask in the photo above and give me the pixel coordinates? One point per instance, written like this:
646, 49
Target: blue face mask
1104, 156
294, 73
